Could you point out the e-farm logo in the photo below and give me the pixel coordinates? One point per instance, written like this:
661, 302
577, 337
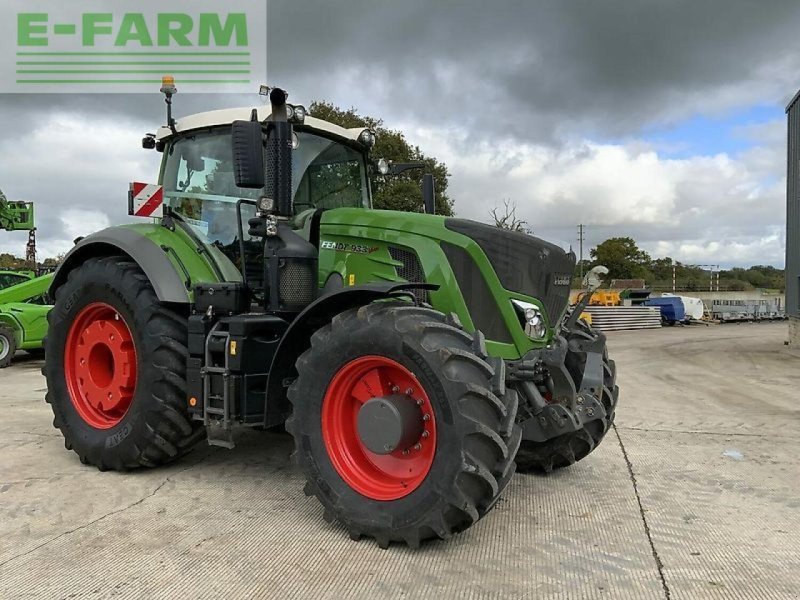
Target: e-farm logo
125, 46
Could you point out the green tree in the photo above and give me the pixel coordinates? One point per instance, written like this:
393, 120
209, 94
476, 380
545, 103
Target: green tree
399, 192
9, 261
622, 257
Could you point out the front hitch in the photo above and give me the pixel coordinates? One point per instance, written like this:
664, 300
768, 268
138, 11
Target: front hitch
571, 370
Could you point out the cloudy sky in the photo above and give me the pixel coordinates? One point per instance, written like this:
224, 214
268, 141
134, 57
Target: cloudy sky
659, 120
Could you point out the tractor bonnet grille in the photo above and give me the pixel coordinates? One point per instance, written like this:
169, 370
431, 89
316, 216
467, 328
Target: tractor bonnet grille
524, 263
411, 269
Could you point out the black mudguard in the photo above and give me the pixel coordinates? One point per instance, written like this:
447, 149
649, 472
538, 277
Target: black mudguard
317, 314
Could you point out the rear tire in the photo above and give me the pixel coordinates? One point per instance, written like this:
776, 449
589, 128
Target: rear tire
109, 336
473, 437
8, 345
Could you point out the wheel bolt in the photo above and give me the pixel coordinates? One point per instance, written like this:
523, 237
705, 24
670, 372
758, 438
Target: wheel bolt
405, 451
419, 403
409, 392
417, 446
425, 434
395, 389
426, 417
580, 399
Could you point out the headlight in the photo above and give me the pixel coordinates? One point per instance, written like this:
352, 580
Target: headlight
289, 112
295, 141
367, 138
531, 319
299, 114
383, 166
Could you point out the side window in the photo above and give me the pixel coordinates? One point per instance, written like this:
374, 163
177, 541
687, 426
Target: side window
9, 279
335, 184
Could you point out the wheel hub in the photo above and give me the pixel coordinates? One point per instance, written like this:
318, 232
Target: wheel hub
389, 424
100, 365
379, 428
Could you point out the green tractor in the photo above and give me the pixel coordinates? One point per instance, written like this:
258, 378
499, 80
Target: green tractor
412, 357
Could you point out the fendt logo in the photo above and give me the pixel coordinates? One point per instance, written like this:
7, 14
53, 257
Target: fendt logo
125, 46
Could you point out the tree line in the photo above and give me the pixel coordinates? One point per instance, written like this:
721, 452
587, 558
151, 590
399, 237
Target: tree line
625, 260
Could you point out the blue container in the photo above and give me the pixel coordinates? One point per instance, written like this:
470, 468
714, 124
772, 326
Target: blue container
672, 310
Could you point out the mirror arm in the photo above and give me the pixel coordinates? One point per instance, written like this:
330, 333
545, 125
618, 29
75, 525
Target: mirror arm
398, 168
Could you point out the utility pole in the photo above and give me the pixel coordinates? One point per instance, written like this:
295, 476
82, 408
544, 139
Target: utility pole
673, 276
581, 237
711, 268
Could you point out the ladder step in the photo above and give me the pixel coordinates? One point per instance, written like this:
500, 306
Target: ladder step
220, 436
217, 370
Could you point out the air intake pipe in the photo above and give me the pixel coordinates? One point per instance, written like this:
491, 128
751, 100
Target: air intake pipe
279, 156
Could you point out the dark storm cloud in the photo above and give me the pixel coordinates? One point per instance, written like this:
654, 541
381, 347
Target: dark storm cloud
602, 69
507, 92
540, 67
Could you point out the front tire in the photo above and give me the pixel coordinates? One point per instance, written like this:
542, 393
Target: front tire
460, 459
116, 369
8, 345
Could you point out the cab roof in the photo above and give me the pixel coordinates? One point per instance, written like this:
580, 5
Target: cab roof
227, 116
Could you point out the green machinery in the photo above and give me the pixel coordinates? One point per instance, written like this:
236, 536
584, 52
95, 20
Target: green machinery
23, 312
414, 358
15, 216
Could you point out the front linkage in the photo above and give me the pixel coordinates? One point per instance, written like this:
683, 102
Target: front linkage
568, 395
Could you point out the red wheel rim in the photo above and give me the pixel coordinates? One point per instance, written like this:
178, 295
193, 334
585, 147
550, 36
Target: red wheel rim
100, 365
376, 476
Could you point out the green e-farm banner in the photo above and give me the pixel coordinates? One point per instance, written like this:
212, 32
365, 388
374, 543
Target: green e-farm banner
126, 46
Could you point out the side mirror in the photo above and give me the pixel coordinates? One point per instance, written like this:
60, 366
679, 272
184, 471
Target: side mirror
593, 279
247, 147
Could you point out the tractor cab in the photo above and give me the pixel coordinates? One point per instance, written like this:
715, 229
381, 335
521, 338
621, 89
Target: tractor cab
329, 170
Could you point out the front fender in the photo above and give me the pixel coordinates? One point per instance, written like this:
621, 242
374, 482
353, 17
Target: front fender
171, 260
297, 338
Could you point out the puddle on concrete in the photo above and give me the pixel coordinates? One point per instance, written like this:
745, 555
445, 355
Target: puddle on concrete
734, 454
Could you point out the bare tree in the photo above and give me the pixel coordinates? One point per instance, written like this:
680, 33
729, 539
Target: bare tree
507, 219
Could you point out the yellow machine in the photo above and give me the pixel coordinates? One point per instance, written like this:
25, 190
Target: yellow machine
599, 298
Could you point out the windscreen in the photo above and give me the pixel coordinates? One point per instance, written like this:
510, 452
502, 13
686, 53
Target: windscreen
199, 183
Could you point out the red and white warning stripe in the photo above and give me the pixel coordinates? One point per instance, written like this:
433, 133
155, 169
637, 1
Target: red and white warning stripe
146, 200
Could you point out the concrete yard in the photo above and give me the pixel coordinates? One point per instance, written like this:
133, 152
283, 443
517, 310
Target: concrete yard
695, 495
